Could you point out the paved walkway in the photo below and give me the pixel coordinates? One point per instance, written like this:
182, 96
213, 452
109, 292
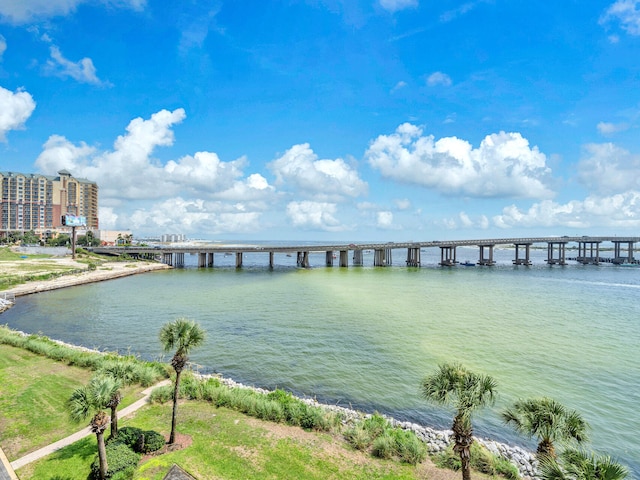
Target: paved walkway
43, 452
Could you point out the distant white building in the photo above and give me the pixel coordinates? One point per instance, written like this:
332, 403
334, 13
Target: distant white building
173, 237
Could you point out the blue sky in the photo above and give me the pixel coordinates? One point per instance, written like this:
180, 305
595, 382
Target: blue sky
331, 119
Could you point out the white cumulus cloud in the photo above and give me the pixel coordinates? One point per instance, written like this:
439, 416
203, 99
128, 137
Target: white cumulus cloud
384, 220
395, 5
627, 13
15, 109
439, 78
504, 165
607, 128
607, 169
616, 211
82, 71
25, 11
205, 195
314, 215
318, 179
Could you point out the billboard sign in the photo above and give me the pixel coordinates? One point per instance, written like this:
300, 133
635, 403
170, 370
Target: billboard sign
74, 221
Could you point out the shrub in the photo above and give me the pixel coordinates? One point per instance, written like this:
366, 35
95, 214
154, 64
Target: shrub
409, 447
358, 437
120, 460
153, 441
138, 440
481, 459
161, 394
384, 446
127, 436
376, 425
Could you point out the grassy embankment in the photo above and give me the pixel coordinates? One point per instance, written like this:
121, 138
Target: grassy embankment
224, 443
17, 268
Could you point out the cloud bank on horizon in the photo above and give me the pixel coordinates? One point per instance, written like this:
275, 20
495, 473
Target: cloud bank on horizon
366, 120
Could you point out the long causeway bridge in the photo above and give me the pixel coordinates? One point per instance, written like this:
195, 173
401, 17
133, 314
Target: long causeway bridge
588, 251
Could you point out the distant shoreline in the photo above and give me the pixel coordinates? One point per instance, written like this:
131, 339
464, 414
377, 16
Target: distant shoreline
106, 271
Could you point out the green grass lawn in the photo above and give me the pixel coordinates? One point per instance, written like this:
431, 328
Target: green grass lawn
230, 445
33, 393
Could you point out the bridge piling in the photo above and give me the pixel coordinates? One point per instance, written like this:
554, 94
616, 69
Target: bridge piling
448, 256
344, 258
484, 260
551, 260
328, 258
618, 259
357, 257
590, 258
522, 261
413, 257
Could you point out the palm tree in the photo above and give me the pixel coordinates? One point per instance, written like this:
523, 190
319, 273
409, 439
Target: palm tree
454, 386
547, 420
93, 399
183, 335
113, 403
579, 465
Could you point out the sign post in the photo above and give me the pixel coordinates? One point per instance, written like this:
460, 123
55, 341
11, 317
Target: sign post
73, 222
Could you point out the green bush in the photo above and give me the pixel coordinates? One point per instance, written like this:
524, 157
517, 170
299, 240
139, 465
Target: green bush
384, 446
409, 448
120, 460
153, 441
127, 436
131, 437
482, 460
358, 437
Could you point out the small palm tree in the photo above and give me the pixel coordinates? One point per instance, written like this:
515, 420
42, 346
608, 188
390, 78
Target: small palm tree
454, 386
113, 403
93, 399
579, 465
548, 420
183, 335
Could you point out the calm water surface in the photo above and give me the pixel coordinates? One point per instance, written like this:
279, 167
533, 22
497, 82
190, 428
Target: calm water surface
366, 336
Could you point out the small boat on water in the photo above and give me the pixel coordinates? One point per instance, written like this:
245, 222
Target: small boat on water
468, 264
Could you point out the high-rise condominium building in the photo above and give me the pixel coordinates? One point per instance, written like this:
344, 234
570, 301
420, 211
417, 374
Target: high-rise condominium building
34, 202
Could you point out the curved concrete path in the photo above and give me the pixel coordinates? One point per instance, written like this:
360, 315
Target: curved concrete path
44, 451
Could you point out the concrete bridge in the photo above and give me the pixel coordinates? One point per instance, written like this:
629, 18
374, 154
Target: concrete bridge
588, 251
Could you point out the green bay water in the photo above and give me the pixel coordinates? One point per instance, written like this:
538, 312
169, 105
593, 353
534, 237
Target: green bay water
365, 337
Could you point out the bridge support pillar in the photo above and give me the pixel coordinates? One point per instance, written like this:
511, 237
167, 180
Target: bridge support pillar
202, 260
357, 257
344, 258
413, 257
210, 259
167, 258
527, 250
179, 259
617, 255
238, 259
448, 256
586, 258
484, 260
303, 259
560, 260
328, 258
382, 257
271, 260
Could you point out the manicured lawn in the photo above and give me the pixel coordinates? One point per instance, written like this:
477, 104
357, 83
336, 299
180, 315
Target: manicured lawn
33, 393
227, 444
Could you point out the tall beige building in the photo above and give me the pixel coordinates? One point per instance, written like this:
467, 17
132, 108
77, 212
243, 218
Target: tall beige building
31, 201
